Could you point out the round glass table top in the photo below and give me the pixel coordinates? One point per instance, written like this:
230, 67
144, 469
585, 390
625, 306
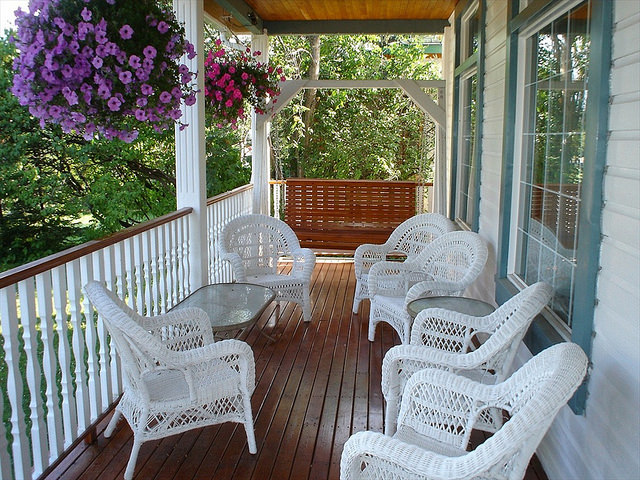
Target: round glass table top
230, 306
468, 306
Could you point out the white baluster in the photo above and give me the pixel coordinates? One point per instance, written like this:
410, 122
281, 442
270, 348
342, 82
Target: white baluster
15, 389
64, 354
93, 368
74, 285
33, 373
49, 362
5, 459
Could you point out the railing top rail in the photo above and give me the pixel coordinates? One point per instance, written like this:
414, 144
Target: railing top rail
230, 193
30, 269
338, 181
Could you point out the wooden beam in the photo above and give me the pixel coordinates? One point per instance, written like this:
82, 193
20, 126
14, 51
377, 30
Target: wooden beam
424, 101
243, 14
290, 89
309, 27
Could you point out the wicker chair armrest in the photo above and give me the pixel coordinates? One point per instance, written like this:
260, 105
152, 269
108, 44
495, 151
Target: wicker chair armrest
402, 361
236, 265
445, 330
432, 288
443, 406
394, 279
200, 364
367, 255
304, 261
387, 457
180, 329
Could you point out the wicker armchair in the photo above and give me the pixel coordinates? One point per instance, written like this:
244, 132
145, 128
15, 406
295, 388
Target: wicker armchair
440, 409
481, 348
410, 238
175, 377
252, 244
447, 266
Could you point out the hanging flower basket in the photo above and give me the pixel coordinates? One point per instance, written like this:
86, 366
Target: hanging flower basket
100, 67
234, 79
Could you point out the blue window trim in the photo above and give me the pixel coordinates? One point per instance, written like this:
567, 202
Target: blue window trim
542, 334
476, 59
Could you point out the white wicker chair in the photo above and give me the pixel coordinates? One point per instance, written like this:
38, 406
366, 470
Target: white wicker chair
175, 377
410, 238
447, 266
440, 409
252, 244
481, 348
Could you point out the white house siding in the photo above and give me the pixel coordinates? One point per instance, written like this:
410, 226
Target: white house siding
491, 142
605, 442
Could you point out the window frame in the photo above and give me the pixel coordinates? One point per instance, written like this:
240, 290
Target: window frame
522, 24
467, 64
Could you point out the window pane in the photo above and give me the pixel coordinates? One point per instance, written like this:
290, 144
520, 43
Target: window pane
553, 156
467, 193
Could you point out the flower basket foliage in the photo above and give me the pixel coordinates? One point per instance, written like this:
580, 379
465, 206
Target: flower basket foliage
234, 79
99, 67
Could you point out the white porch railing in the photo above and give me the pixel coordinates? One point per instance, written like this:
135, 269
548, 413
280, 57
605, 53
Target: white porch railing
62, 376
221, 209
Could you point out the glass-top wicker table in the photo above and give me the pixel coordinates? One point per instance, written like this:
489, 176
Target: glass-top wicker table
230, 306
468, 306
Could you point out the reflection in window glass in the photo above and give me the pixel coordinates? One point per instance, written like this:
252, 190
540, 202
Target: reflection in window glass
553, 155
467, 194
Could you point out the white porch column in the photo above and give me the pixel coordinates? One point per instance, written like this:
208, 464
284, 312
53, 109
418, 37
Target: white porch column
261, 160
190, 147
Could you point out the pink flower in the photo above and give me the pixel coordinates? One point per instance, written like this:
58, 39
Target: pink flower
228, 103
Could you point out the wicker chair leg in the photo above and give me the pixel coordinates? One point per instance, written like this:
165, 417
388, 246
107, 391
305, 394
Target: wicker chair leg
112, 423
131, 464
248, 423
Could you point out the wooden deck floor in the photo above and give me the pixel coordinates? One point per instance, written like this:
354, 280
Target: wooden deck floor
316, 384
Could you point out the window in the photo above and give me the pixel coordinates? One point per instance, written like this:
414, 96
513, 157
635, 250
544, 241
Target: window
467, 148
467, 126
556, 117
553, 143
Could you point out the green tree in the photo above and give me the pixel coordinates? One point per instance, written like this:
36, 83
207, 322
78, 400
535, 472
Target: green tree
359, 133
59, 190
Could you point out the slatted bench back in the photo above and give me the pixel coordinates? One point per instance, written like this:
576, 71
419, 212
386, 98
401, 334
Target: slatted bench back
343, 214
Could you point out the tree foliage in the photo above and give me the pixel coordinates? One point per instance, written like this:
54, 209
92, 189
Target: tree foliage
357, 133
59, 190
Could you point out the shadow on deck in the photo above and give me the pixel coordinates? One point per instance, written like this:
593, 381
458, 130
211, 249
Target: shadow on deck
318, 383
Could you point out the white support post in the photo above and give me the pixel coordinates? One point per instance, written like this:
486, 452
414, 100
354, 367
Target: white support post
261, 162
190, 147
438, 201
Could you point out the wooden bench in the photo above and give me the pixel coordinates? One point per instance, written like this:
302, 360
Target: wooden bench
343, 214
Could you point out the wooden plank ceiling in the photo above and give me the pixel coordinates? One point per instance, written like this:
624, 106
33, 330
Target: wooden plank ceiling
331, 16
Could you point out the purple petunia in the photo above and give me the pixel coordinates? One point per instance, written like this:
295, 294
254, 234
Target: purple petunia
114, 104
149, 51
80, 63
134, 61
126, 32
165, 97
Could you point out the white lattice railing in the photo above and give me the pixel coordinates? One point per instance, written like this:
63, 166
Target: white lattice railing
61, 374
62, 377
221, 209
